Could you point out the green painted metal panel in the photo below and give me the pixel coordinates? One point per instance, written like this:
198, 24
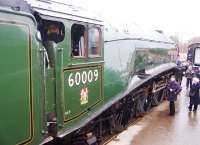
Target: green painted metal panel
114, 83
50, 88
20, 80
15, 86
82, 90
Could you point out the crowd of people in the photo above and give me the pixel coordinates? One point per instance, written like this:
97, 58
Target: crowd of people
192, 85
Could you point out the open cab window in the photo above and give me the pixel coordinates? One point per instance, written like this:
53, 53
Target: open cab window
85, 41
51, 30
78, 40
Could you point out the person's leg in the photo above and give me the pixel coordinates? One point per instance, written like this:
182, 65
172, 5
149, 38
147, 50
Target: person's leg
172, 108
195, 107
187, 82
190, 82
190, 107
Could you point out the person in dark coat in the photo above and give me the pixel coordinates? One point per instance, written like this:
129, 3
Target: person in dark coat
189, 75
174, 89
194, 94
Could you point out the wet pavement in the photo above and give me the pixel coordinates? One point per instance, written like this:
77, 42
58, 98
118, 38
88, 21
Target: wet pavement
159, 128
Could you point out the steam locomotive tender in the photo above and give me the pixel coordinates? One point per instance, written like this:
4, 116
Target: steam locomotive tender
68, 79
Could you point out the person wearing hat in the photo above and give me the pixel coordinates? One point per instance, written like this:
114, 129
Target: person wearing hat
194, 94
174, 89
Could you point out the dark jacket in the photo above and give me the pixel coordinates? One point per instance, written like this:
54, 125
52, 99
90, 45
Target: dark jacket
173, 90
194, 94
189, 73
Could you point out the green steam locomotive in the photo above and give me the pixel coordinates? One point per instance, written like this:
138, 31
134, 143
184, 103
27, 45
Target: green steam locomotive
68, 78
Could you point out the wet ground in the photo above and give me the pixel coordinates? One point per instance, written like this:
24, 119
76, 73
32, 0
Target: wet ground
159, 128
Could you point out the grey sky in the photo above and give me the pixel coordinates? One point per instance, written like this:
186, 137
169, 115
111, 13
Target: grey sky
174, 17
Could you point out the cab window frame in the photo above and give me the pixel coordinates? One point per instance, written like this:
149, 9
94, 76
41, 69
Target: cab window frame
85, 37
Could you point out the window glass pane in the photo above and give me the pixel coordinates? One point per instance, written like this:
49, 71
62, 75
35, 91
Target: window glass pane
94, 42
78, 40
196, 57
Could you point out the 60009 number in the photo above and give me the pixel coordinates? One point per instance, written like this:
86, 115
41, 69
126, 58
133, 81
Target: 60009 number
82, 77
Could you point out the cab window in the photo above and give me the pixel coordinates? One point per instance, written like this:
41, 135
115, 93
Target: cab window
78, 40
94, 42
51, 31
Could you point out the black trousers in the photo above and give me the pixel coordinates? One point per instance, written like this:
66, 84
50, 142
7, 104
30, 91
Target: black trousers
189, 82
171, 107
195, 107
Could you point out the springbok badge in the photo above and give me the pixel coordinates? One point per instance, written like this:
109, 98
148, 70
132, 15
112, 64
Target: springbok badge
84, 96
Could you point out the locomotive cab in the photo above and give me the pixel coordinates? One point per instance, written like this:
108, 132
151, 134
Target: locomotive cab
72, 66
57, 80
